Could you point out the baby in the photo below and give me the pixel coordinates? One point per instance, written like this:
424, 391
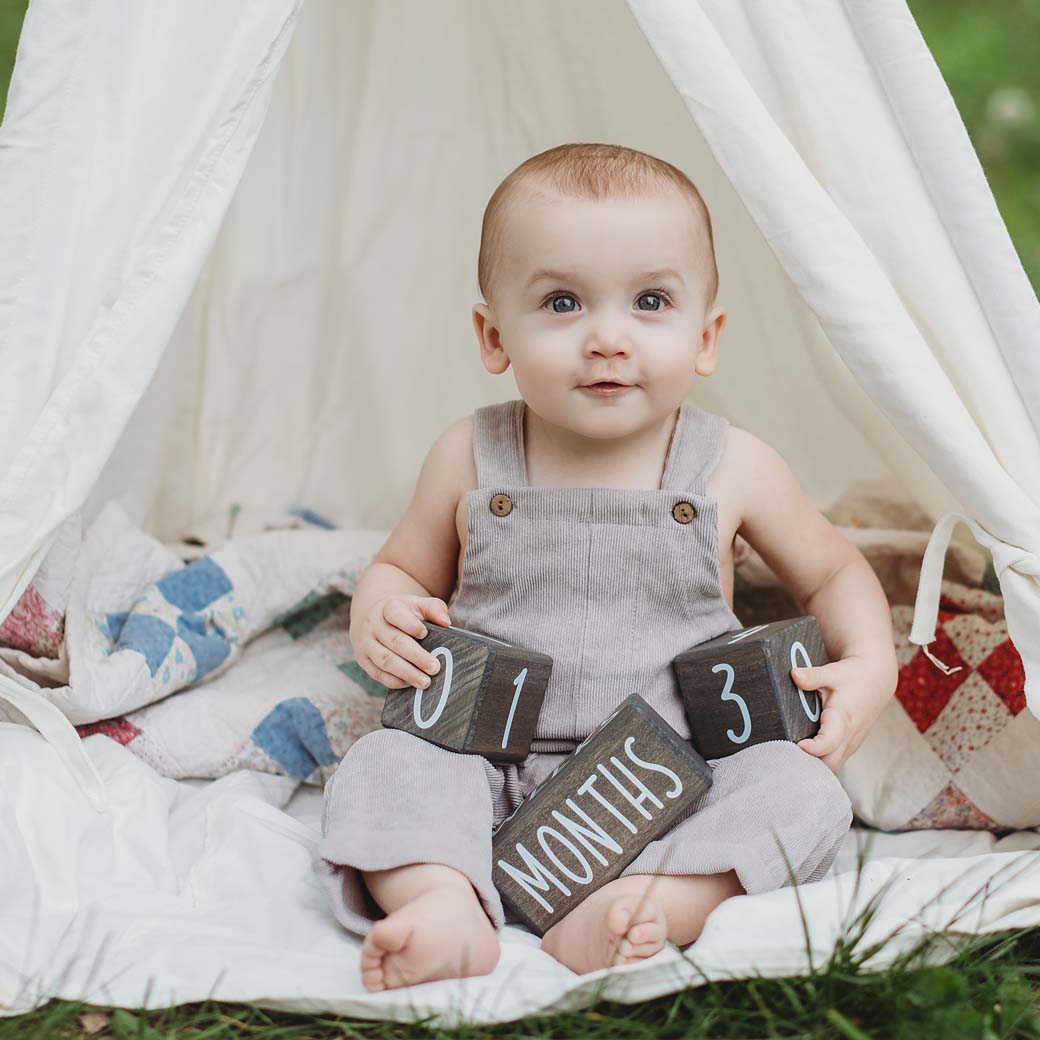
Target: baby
553, 522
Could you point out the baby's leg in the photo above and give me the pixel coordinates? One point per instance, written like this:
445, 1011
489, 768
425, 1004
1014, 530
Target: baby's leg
773, 815
407, 832
436, 928
630, 918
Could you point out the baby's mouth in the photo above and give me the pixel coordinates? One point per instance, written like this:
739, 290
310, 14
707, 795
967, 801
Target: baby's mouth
606, 387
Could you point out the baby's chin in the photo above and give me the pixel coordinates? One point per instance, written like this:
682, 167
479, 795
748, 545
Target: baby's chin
608, 419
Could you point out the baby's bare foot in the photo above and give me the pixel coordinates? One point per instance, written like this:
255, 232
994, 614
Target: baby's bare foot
442, 934
618, 924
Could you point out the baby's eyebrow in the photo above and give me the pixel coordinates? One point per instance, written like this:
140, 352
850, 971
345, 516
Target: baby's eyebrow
550, 276
665, 272
570, 276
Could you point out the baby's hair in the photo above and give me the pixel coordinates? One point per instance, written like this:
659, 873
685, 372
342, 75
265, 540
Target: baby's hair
590, 171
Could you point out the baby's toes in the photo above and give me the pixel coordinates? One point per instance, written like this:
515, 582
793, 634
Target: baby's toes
629, 954
647, 933
620, 915
630, 913
396, 972
372, 966
373, 980
641, 941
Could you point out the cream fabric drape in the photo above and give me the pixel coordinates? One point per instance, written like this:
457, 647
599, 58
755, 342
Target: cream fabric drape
126, 131
314, 301
871, 197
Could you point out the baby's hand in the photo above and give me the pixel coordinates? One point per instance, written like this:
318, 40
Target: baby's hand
384, 643
854, 693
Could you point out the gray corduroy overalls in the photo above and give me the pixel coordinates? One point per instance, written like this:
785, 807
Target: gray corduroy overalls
612, 583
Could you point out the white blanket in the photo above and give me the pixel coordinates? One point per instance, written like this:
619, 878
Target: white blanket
185, 890
133, 887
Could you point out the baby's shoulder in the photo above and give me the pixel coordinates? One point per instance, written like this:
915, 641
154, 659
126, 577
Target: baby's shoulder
452, 456
747, 464
753, 484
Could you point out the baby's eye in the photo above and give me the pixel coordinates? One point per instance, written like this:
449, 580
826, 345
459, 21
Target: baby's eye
659, 301
571, 304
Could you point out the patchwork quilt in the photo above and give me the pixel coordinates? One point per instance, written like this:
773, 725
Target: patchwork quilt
131, 624
231, 651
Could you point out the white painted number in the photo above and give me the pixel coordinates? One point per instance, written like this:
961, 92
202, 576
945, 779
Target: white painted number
797, 650
444, 652
746, 633
518, 682
728, 695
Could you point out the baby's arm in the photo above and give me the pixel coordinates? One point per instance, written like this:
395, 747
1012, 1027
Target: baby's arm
830, 579
413, 574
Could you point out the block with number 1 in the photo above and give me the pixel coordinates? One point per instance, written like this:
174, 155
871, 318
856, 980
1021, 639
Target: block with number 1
484, 700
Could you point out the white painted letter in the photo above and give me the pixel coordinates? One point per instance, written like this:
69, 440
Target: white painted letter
594, 831
646, 793
655, 767
587, 788
546, 832
537, 877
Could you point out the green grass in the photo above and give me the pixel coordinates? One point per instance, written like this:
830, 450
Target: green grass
987, 992
12, 13
988, 54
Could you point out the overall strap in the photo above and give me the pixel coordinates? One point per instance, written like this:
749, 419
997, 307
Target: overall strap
697, 443
498, 450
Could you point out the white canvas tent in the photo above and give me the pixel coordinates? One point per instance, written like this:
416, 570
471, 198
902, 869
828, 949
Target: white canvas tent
237, 261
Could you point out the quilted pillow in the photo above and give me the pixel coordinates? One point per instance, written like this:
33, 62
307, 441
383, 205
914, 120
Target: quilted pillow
36, 625
953, 749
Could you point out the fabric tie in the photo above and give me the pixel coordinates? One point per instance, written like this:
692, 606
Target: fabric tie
56, 729
1018, 571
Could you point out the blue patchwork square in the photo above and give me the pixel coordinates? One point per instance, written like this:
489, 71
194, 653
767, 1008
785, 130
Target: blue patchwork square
195, 586
293, 734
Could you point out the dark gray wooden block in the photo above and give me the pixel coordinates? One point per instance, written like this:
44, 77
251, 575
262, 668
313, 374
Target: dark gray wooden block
738, 689
621, 788
484, 700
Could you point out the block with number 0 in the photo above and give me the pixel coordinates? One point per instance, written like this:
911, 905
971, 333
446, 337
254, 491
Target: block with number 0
484, 700
738, 691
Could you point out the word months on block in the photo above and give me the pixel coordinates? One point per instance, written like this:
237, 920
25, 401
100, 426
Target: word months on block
484, 700
738, 690
621, 788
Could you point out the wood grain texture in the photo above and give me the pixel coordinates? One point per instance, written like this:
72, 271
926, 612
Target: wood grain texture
484, 700
737, 689
621, 788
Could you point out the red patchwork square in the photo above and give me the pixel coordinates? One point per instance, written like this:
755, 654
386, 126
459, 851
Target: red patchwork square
121, 731
923, 689
974, 725
1006, 677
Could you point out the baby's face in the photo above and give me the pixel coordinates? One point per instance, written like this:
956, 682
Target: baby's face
590, 290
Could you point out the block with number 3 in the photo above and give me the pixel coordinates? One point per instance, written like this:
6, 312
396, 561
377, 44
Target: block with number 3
738, 691
484, 700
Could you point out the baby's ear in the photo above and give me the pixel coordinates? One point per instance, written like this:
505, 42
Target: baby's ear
492, 353
708, 352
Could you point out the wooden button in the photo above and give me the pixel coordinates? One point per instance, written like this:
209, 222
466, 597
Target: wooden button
683, 512
501, 505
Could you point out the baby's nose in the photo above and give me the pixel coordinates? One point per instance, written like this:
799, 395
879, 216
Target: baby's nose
609, 341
